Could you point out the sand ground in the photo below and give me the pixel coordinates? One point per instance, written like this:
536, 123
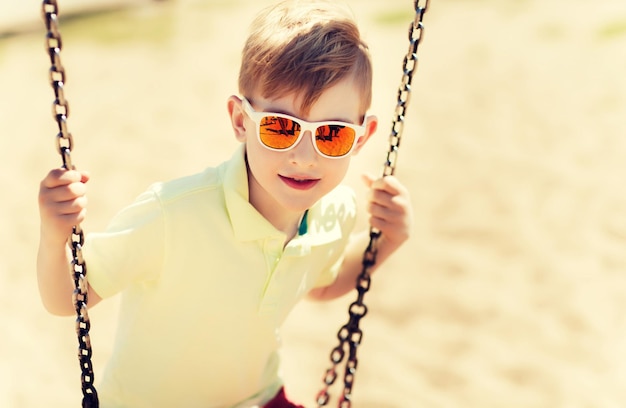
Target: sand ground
512, 292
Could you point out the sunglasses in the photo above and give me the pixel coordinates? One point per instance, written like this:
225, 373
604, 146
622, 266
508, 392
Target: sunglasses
280, 132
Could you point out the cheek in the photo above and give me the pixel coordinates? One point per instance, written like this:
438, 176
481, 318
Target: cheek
260, 160
337, 169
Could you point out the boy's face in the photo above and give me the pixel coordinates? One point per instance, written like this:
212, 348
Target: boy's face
289, 182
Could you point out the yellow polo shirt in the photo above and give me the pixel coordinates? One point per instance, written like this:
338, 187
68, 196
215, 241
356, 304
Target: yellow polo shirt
205, 285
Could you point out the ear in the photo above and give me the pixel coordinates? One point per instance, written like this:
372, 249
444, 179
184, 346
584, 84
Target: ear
237, 117
371, 124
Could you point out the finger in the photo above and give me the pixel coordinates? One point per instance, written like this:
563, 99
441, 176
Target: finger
62, 185
368, 179
395, 203
376, 193
394, 221
63, 223
71, 220
61, 177
390, 230
379, 224
383, 189
390, 214
85, 176
389, 184
53, 210
70, 207
63, 193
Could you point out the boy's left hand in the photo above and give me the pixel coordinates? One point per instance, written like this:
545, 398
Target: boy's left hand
389, 206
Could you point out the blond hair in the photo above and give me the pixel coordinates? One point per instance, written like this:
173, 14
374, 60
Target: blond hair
304, 47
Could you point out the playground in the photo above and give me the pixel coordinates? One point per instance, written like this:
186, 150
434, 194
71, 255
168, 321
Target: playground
512, 291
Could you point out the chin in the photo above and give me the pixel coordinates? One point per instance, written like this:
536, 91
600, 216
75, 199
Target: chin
298, 206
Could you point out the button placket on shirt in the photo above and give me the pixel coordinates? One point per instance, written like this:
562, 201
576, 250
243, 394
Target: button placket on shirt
273, 252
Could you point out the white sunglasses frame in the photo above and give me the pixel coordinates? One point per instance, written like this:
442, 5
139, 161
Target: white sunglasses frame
304, 127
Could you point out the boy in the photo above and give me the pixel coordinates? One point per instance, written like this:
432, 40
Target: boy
209, 265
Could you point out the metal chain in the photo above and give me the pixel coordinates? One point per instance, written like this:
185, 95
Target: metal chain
60, 112
350, 334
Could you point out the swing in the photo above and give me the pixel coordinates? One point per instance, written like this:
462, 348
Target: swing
349, 335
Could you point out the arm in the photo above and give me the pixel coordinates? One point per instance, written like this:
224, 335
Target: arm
62, 204
389, 206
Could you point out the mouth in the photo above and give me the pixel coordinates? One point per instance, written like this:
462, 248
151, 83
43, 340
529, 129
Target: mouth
299, 183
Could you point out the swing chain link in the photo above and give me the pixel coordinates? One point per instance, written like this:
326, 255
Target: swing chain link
350, 334
65, 143
416, 33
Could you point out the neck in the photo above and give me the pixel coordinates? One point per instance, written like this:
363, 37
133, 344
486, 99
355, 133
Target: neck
281, 218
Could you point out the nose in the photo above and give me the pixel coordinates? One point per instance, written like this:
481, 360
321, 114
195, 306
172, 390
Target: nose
304, 153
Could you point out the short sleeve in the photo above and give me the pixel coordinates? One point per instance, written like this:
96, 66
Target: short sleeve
338, 209
329, 275
130, 250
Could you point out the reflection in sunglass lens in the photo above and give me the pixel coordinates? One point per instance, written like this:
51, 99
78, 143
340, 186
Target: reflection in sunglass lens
278, 133
334, 140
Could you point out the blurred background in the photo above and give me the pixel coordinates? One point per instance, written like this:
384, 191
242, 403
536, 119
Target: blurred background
512, 291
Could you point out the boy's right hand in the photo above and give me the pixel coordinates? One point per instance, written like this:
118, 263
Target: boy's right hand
62, 203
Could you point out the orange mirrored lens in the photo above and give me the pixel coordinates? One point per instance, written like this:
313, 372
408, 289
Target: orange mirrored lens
334, 140
278, 133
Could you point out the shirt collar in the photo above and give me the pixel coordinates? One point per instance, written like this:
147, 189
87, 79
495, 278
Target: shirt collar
249, 225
